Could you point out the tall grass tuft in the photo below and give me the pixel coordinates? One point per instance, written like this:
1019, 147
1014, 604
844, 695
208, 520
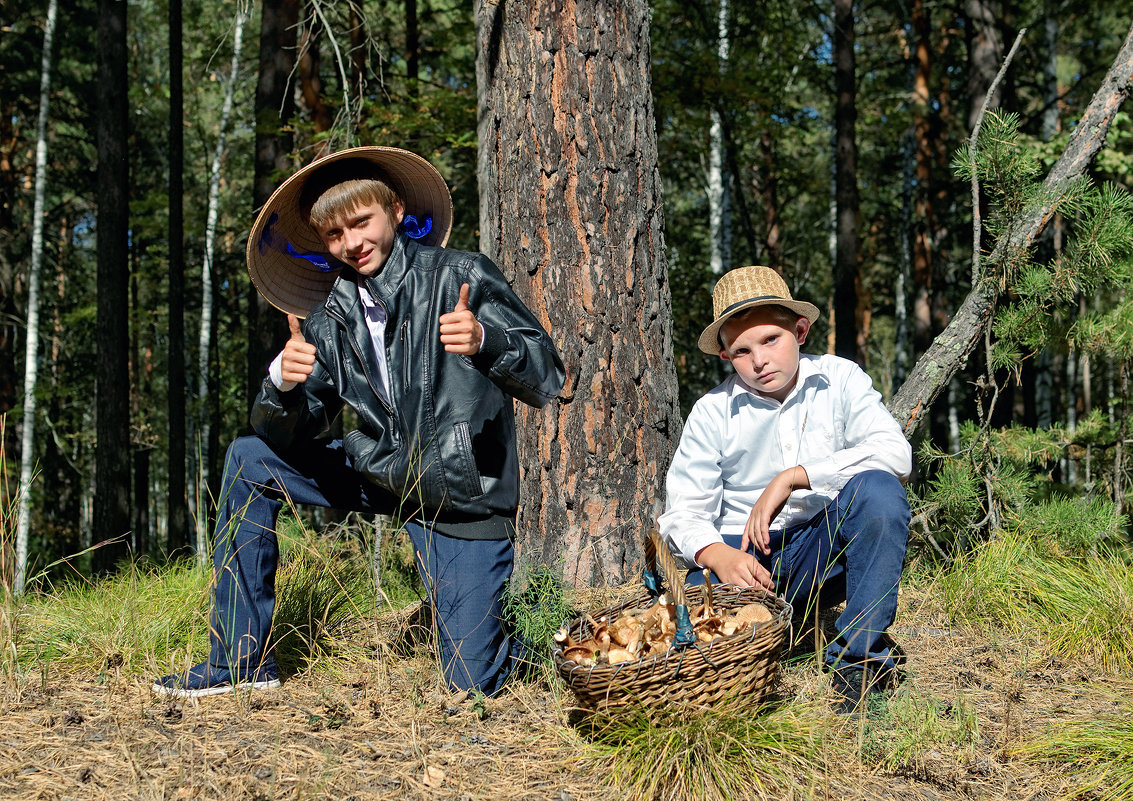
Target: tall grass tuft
1081, 605
319, 591
899, 734
1095, 755
727, 752
139, 617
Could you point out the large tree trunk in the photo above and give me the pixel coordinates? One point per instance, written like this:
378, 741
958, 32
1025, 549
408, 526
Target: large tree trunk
311, 80
112, 380
570, 207
274, 106
923, 218
950, 350
985, 51
31, 352
177, 538
849, 322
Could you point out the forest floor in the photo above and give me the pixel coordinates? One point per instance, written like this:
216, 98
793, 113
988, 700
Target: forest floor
383, 727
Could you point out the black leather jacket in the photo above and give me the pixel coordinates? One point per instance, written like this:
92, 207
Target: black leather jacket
445, 440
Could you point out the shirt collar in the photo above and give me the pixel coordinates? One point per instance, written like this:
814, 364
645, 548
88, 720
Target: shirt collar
374, 310
810, 371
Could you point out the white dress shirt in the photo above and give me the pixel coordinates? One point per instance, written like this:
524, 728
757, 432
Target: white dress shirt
376, 322
735, 441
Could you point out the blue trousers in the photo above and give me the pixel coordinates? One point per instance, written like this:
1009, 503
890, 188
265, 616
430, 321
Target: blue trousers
853, 551
464, 579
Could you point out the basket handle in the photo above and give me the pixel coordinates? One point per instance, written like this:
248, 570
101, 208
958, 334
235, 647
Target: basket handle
651, 576
663, 558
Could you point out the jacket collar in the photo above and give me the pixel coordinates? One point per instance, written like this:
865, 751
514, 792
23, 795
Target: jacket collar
344, 293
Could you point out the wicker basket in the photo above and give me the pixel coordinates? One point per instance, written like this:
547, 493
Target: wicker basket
744, 664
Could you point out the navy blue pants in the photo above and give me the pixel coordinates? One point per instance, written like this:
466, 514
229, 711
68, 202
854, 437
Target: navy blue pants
464, 579
852, 551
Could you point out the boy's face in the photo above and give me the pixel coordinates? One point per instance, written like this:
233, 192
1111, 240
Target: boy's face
763, 352
363, 238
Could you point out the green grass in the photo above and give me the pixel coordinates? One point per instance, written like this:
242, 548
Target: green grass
728, 752
147, 618
134, 619
1094, 754
1081, 605
898, 735
319, 591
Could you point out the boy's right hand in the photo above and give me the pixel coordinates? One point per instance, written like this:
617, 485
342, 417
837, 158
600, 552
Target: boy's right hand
298, 360
734, 566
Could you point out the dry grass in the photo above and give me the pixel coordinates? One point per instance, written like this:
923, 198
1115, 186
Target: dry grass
379, 725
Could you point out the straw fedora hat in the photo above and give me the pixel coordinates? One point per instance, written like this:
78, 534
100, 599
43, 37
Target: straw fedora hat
287, 261
745, 288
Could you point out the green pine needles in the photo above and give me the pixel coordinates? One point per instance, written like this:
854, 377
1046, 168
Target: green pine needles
1067, 303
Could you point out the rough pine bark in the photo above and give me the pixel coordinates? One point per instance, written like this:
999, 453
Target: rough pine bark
570, 208
951, 348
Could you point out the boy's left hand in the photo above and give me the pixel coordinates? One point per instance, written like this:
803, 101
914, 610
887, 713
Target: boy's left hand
757, 531
460, 332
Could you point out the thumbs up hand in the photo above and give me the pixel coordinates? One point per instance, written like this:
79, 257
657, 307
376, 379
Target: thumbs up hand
298, 360
460, 331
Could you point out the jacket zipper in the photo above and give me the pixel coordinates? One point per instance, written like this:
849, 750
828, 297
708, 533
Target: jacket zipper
358, 352
405, 370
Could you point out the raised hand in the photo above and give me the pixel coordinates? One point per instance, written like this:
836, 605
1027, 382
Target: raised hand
460, 332
298, 360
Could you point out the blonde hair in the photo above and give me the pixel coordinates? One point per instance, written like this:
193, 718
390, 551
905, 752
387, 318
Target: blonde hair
331, 194
779, 315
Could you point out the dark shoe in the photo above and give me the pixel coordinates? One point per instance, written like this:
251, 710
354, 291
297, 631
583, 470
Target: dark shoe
857, 686
204, 679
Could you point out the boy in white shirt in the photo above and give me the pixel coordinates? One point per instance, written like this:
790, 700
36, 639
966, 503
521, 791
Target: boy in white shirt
789, 476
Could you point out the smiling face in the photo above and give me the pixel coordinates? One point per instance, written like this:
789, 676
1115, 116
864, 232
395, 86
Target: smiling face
363, 238
764, 349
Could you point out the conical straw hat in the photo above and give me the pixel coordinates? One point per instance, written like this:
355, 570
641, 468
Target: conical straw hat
288, 263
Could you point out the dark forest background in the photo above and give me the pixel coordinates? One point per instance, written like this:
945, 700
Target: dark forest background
818, 138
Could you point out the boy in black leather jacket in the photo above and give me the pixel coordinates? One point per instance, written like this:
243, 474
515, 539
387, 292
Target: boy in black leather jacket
428, 346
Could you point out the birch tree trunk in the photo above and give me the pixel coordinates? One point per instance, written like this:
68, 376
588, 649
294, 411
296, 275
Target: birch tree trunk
204, 338
950, 350
570, 208
31, 352
719, 239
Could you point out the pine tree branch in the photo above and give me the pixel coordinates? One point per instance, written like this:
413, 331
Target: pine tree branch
977, 220
950, 350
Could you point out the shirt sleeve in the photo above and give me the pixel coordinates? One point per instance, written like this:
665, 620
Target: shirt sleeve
275, 372
694, 486
872, 440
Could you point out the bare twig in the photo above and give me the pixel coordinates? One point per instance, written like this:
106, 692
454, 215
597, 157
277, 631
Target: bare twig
977, 221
